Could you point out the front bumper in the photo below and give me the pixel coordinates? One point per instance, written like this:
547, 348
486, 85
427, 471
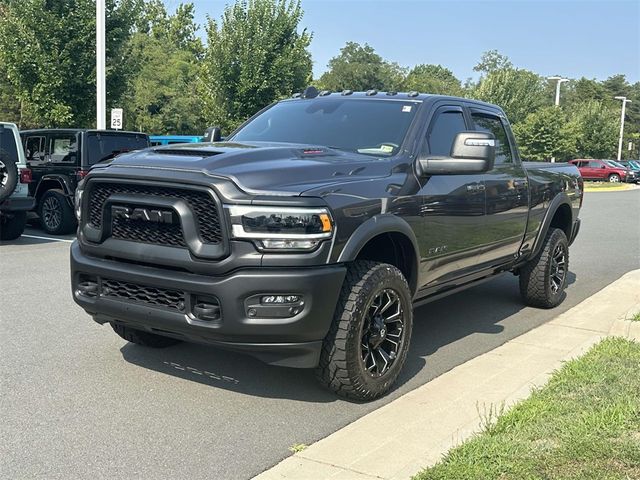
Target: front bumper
292, 341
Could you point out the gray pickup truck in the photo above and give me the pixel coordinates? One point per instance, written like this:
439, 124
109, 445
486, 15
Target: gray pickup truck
306, 237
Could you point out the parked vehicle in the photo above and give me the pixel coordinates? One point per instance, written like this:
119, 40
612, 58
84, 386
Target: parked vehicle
633, 165
14, 180
60, 158
156, 140
306, 237
605, 170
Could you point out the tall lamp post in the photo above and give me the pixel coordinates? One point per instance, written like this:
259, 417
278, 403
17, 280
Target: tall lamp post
624, 108
560, 81
101, 90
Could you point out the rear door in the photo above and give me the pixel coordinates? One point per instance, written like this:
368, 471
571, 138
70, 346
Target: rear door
450, 234
506, 193
35, 149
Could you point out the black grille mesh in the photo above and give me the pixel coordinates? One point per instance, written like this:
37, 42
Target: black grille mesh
203, 205
159, 297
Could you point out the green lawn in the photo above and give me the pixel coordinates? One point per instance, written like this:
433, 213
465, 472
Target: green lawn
604, 185
584, 424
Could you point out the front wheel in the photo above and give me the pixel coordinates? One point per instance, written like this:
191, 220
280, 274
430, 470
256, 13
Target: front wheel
614, 178
544, 278
367, 344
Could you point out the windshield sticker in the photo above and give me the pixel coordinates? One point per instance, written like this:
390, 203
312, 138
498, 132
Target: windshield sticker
406, 108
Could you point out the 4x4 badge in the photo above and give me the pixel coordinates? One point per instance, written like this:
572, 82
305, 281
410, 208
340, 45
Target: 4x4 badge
144, 214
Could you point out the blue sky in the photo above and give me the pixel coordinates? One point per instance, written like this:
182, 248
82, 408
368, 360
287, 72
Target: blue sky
595, 39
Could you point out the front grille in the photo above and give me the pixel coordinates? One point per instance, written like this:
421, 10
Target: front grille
204, 207
140, 231
158, 297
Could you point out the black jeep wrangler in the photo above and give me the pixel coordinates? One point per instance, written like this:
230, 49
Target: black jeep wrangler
306, 237
60, 158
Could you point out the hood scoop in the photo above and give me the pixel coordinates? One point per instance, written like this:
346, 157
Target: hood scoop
185, 152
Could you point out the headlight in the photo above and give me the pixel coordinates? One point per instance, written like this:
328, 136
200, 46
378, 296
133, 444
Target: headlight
281, 228
77, 202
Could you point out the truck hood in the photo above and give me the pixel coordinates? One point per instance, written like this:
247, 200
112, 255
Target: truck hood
258, 167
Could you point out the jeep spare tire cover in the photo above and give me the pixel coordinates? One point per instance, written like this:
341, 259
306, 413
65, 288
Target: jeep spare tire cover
8, 175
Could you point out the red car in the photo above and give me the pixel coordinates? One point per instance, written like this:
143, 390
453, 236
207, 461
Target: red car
605, 170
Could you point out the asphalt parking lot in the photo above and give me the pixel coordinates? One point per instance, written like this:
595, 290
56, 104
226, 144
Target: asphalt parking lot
77, 401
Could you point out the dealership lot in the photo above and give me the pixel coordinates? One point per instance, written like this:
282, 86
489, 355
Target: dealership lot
77, 401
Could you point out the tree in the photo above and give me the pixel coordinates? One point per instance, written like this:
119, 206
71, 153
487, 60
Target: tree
432, 79
492, 61
546, 133
47, 51
254, 56
359, 67
163, 56
518, 92
597, 127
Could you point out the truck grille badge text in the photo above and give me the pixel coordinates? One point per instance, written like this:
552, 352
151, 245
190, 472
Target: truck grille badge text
143, 214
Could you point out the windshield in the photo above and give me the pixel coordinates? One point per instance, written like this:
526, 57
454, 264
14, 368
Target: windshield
367, 126
103, 146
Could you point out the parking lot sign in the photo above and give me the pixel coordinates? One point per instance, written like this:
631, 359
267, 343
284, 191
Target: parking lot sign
116, 118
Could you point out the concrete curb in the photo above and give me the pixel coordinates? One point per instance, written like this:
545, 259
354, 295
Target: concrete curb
621, 188
414, 431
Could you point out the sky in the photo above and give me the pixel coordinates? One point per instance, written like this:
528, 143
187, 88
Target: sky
594, 39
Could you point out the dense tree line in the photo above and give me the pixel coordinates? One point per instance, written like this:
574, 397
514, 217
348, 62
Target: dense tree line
169, 81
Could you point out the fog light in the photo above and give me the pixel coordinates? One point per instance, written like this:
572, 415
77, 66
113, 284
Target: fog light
279, 299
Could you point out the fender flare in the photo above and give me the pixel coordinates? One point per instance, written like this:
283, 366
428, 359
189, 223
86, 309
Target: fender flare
378, 225
64, 184
560, 199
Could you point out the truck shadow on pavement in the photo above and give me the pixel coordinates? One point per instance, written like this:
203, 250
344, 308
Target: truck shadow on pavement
446, 333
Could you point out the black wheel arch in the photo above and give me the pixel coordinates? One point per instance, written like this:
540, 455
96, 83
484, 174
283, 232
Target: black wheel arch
56, 182
397, 242
558, 215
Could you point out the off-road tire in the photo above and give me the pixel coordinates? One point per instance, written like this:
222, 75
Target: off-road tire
146, 339
12, 225
535, 282
8, 176
614, 178
341, 368
66, 223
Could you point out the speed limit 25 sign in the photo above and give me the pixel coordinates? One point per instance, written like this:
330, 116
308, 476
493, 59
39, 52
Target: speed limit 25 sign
116, 118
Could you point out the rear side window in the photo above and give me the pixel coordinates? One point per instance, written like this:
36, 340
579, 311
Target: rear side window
34, 149
491, 124
63, 147
101, 146
8, 149
443, 131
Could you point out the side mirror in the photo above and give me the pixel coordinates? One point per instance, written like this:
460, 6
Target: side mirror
603, 166
471, 152
213, 134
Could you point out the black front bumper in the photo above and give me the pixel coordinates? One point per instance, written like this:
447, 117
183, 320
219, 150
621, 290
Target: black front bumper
292, 341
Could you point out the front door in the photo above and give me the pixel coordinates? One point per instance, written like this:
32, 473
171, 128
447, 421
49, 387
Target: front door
452, 207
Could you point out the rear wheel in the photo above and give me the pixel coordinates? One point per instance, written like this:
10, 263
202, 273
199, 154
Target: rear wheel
614, 178
56, 215
140, 337
367, 344
12, 225
544, 278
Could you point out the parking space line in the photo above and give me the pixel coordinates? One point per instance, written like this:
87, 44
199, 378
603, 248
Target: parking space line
48, 238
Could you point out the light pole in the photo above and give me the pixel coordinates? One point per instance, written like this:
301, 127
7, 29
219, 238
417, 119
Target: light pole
560, 81
624, 107
101, 90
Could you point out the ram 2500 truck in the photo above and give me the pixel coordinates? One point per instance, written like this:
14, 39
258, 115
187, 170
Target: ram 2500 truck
306, 237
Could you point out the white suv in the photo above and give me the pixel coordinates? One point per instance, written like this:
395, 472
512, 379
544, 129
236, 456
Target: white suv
15, 201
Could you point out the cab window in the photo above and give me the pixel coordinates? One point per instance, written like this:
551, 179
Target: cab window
443, 131
492, 124
34, 149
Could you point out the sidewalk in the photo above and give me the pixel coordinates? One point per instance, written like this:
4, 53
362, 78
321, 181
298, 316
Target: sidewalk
399, 439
